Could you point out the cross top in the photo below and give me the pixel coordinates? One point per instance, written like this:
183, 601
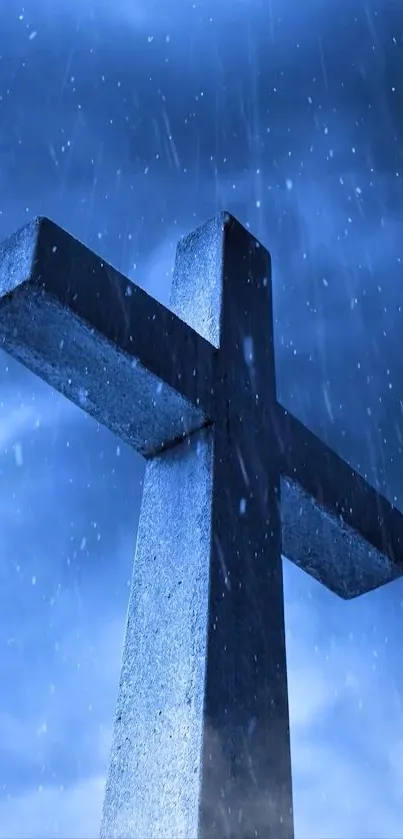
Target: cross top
201, 736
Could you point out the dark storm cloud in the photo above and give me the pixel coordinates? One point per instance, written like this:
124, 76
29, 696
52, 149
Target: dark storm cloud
224, 104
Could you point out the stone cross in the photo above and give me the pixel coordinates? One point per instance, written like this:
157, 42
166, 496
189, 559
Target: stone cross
233, 480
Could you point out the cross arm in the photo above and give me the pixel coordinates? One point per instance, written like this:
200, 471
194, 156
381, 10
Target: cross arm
335, 525
101, 340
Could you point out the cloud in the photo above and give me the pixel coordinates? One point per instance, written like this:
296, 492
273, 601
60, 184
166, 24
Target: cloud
30, 406
54, 813
160, 14
346, 714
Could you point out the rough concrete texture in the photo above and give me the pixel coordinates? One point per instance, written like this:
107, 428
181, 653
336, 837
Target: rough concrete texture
201, 737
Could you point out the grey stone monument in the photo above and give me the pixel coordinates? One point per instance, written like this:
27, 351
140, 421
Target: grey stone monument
233, 480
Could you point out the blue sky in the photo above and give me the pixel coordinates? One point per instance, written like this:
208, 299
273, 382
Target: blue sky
129, 123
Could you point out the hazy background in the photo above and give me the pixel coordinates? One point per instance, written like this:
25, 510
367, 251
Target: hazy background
129, 122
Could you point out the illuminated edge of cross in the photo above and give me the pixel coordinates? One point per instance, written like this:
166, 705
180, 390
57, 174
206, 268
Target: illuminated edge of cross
103, 342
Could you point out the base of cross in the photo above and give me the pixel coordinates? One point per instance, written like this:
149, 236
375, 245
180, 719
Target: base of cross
201, 741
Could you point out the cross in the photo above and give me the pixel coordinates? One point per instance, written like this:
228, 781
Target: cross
201, 742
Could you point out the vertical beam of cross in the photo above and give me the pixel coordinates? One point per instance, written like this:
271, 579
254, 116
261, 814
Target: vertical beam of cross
201, 738
201, 741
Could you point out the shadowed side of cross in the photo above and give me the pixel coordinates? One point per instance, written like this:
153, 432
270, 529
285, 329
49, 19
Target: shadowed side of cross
201, 737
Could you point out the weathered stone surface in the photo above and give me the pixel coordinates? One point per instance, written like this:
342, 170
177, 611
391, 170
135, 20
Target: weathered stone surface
204, 667
336, 526
101, 340
201, 737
